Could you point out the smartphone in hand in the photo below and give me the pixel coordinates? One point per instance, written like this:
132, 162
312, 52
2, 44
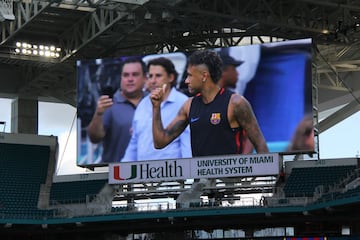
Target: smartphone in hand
108, 90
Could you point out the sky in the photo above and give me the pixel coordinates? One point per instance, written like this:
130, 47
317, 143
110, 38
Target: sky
340, 141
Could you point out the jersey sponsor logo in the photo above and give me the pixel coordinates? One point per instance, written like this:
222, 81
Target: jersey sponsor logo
215, 118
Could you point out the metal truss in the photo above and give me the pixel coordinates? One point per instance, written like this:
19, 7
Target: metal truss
89, 29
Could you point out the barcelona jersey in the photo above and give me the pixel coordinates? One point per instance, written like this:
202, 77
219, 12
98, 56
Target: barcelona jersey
210, 130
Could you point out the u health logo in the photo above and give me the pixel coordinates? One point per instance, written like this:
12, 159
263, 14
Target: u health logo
147, 170
117, 173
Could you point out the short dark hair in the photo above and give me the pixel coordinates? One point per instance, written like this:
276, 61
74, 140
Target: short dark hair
211, 59
134, 60
167, 64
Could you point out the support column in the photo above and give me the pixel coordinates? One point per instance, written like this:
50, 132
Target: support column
24, 116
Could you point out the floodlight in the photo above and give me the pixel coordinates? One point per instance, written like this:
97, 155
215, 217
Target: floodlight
25, 48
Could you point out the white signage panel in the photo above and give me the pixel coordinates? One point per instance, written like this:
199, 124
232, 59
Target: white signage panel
201, 167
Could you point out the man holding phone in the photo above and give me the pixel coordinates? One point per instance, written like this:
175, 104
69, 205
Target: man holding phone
161, 74
111, 122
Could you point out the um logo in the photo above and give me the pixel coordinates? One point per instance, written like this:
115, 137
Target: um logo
117, 174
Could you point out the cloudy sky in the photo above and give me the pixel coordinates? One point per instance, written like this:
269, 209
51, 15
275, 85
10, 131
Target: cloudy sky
340, 141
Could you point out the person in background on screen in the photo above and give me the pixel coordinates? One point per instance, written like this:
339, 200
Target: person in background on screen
303, 137
229, 75
228, 80
161, 74
111, 122
216, 116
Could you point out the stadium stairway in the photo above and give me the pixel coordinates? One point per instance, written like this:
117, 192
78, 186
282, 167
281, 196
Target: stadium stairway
44, 196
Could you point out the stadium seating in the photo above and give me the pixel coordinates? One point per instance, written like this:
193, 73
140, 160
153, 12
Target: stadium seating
75, 192
303, 181
23, 169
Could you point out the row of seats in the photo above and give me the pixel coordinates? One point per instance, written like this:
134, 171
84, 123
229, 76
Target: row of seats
63, 192
355, 192
303, 181
23, 169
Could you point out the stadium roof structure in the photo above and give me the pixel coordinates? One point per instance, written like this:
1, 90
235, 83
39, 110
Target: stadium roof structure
91, 29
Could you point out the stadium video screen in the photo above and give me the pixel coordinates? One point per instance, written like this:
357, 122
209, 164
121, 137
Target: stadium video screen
275, 78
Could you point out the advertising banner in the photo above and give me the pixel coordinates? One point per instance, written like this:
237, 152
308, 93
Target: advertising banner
203, 167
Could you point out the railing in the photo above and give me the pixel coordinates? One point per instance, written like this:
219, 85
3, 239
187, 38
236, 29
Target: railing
88, 208
161, 206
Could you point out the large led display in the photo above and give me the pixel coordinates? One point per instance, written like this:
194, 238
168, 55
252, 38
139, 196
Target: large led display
275, 78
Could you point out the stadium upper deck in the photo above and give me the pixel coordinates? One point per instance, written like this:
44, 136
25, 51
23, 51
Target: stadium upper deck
322, 193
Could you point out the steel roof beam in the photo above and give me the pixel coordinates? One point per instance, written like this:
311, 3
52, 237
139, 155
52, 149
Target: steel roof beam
24, 13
